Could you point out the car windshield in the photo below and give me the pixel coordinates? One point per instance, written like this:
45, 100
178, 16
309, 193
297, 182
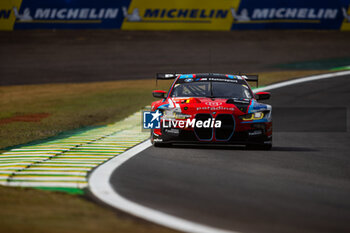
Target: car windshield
211, 89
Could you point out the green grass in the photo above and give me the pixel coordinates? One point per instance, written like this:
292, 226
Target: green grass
322, 64
31, 210
74, 191
70, 106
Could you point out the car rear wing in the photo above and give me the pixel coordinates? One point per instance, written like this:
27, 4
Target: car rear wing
252, 78
166, 76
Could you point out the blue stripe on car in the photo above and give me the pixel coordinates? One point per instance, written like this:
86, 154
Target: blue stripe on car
186, 76
163, 106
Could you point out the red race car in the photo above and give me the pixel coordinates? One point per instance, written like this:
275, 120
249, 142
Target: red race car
211, 108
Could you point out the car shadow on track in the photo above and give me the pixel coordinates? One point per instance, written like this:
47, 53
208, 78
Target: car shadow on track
288, 148
237, 147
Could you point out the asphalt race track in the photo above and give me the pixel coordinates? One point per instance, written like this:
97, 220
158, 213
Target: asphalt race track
302, 185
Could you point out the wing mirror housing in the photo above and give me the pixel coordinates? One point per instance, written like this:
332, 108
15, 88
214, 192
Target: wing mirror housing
159, 94
262, 95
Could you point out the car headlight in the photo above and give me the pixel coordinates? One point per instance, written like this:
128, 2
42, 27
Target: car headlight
171, 114
253, 116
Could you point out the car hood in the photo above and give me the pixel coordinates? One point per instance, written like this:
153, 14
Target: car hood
193, 105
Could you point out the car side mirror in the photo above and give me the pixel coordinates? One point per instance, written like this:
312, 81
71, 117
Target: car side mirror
262, 95
159, 94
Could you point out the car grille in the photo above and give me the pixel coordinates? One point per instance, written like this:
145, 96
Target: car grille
225, 132
205, 134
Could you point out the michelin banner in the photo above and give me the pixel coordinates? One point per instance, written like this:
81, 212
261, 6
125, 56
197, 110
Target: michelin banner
71, 14
221, 15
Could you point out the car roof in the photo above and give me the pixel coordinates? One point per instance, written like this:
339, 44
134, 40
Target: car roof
211, 75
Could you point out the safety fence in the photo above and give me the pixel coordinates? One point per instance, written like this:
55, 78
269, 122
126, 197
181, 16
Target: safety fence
222, 15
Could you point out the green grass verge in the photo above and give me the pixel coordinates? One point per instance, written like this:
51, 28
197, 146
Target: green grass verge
322, 64
32, 210
70, 106
74, 191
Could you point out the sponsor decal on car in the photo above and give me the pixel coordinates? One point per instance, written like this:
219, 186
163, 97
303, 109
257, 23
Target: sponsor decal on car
215, 108
188, 80
213, 103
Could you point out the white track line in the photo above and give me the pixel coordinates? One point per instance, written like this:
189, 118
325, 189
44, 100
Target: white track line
302, 80
100, 186
45, 184
56, 169
46, 178
50, 173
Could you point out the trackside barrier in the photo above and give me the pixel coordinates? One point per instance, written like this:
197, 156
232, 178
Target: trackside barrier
175, 14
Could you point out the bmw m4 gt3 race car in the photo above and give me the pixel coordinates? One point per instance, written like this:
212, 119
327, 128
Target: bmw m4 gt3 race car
212, 108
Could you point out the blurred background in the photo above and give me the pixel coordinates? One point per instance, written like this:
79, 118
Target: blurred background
222, 36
